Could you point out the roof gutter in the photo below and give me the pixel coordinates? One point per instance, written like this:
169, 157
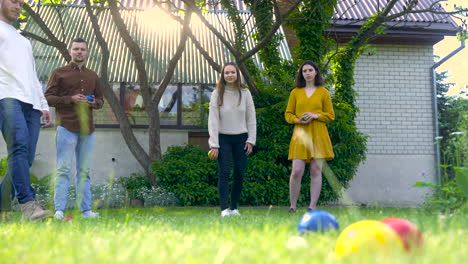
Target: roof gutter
435, 108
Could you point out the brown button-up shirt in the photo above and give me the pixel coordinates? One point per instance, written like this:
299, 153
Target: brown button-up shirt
67, 81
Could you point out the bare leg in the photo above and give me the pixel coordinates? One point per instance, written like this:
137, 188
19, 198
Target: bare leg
315, 181
295, 181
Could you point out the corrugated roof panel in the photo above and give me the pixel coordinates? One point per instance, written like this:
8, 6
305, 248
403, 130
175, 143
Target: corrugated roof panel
158, 41
363, 9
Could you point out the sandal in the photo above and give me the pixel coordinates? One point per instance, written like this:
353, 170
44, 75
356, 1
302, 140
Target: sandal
291, 210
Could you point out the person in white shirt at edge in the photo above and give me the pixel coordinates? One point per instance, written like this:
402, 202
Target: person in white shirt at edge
232, 128
22, 105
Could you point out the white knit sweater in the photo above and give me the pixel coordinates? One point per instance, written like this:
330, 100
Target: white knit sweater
232, 118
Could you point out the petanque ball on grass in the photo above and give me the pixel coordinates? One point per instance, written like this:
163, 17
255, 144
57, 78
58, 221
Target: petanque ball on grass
368, 237
67, 218
317, 221
407, 231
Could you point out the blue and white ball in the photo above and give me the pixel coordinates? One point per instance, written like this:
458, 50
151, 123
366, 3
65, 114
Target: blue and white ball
317, 221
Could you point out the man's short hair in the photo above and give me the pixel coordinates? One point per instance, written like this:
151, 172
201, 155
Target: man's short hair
77, 40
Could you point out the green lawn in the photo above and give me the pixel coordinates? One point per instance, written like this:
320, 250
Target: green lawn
200, 235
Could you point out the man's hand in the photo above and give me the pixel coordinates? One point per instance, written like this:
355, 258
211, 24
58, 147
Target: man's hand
79, 98
46, 118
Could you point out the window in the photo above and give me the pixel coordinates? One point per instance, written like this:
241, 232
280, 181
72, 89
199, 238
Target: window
181, 106
195, 100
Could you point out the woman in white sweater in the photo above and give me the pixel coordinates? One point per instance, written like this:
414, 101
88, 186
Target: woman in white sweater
232, 127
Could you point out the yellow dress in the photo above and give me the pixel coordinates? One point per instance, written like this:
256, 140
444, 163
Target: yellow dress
310, 140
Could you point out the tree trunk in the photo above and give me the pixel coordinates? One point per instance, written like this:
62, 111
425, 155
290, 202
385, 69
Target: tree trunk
137, 150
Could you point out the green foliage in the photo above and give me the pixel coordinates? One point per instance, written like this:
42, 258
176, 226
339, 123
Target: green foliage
447, 197
452, 194
313, 43
240, 36
453, 128
461, 176
187, 172
349, 144
3, 166
134, 185
262, 11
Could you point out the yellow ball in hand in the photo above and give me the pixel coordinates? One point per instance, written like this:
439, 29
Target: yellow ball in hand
210, 154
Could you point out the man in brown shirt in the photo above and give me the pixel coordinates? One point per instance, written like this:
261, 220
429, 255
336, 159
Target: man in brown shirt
74, 91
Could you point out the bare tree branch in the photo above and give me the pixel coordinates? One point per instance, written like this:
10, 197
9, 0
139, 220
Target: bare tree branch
175, 59
279, 21
194, 40
134, 146
36, 37
60, 45
227, 44
136, 52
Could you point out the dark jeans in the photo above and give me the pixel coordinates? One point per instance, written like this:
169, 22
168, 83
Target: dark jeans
231, 146
20, 125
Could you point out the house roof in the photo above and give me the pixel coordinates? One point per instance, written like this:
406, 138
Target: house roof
356, 12
157, 34
347, 12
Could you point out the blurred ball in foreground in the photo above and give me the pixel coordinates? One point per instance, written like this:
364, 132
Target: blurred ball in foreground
368, 237
317, 221
407, 231
296, 242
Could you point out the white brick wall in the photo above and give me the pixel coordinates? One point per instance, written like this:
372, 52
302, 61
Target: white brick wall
395, 99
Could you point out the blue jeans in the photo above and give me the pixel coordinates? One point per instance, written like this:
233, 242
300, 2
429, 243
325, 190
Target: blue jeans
69, 144
20, 125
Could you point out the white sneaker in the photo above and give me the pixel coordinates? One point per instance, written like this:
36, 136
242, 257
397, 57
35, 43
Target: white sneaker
58, 215
225, 213
90, 214
235, 212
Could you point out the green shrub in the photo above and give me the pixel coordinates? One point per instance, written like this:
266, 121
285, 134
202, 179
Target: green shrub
3, 167
447, 197
134, 184
187, 172
157, 196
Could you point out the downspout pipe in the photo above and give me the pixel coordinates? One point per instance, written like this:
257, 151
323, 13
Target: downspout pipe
436, 110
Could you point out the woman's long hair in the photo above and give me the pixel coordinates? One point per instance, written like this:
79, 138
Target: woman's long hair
301, 82
221, 86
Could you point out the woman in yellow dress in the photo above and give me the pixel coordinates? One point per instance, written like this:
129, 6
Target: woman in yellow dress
309, 108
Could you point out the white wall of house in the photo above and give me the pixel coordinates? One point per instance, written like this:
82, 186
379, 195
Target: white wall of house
395, 99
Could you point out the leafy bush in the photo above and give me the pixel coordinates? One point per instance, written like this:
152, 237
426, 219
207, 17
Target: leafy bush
447, 197
157, 196
187, 172
109, 196
134, 184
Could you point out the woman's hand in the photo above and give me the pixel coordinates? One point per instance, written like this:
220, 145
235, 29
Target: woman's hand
213, 154
248, 148
307, 117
